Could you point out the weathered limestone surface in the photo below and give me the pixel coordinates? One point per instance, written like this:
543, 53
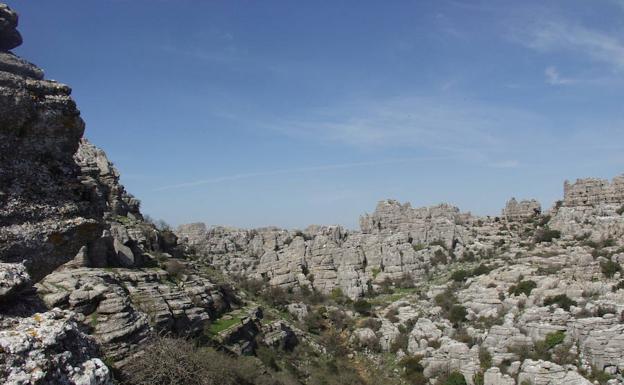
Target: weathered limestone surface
591, 207
525, 209
548, 373
593, 192
123, 306
49, 349
395, 241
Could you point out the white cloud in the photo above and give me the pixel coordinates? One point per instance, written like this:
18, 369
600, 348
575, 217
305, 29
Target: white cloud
564, 36
554, 78
458, 126
298, 170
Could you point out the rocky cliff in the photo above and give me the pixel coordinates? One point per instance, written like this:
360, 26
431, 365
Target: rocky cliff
415, 296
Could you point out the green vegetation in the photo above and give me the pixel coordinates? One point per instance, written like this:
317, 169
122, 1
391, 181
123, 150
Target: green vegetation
362, 306
545, 234
485, 358
554, 339
620, 285
413, 370
523, 287
222, 324
562, 300
460, 275
620, 211
454, 378
457, 314
609, 268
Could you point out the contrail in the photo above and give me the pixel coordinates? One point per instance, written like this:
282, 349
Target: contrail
294, 170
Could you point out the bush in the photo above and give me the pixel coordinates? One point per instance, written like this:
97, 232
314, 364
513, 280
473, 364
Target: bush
485, 358
478, 379
620, 285
459, 275
400, 343
546, 235
482, 269
314, 322
609, 268
175, 268
523, 287
455, 378
413, 370
457, 314
554, 339
620, 211
362, 306
169, 361
562, 300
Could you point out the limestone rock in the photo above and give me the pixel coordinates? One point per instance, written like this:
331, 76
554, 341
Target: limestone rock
525, 209
548, 373
49, 348
9, 36
13, 278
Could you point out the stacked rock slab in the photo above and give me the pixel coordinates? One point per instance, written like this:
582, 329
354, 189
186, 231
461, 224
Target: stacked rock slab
392, 244
44, 216
592, 208
518, 211
593, 192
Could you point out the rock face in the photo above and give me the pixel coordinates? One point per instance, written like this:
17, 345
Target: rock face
591, 208
9, 36
49, 348
593, 192
123, 306
518, 211
396, 241
44, 215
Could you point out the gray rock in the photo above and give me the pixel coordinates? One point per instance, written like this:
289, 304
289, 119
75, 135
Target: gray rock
9, 36
13, 278
49, 348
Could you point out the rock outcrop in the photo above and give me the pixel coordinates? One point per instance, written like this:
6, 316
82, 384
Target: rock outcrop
49, 348
593, 192
518, 211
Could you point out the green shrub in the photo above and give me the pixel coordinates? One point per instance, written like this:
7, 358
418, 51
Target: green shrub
562, 300
523, 287
609, 268
413, 370
620, 285
478, 379
482, 269
620, 211
169, 361
554, 339
362, 306
459, 275
457, 314
546, 235
485, 358
455, 378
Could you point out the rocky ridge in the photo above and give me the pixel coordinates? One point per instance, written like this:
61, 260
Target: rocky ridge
415, 296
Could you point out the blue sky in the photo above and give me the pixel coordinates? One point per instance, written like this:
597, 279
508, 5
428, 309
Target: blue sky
287, 113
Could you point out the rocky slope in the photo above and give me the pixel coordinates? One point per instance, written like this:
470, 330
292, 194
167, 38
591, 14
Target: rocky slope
415, 296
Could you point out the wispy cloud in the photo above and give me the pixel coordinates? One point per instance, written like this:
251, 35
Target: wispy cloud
554, 78
449, 125
299, 170
559, 35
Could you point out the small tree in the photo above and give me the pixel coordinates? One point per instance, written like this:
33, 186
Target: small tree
457, 314
362, 306
609, 268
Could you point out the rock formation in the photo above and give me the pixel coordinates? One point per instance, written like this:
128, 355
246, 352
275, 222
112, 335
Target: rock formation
517, 211
85, 279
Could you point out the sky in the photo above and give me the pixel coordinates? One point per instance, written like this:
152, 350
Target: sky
289, 113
